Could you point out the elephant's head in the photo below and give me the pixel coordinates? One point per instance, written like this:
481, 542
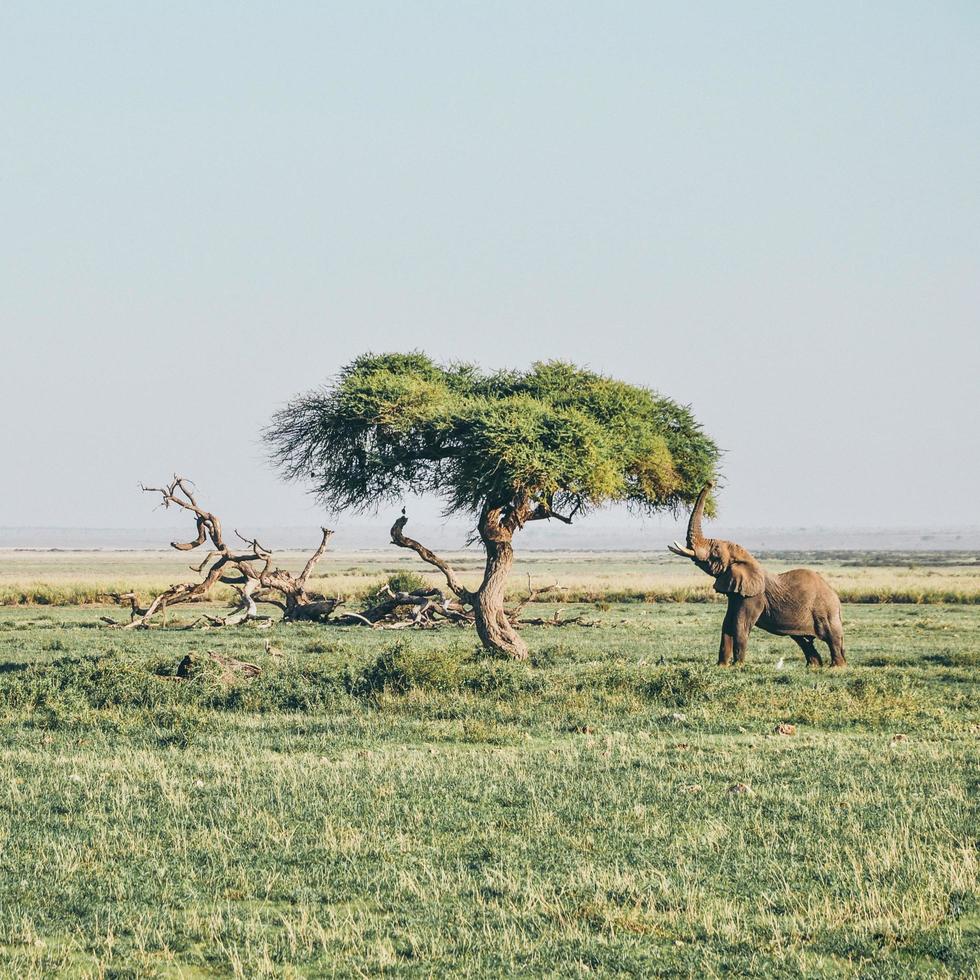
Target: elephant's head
734, 569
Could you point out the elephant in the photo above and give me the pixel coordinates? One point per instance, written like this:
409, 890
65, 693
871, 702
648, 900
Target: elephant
799, 603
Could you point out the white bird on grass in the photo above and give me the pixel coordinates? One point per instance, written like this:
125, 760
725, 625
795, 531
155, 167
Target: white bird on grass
780, 663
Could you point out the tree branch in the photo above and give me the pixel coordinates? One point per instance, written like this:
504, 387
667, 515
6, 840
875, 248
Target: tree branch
252, 573
399, 538
178, 492
543, 512
532, 596
315, 557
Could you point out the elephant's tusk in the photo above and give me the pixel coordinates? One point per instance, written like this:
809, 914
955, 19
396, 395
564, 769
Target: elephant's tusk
679, 549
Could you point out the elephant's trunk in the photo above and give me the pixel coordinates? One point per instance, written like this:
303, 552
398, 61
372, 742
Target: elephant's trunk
695, 538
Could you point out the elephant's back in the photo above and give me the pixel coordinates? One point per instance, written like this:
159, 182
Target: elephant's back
801, 576
806, 582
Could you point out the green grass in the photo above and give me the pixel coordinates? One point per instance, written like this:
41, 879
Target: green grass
393, 804
86, 594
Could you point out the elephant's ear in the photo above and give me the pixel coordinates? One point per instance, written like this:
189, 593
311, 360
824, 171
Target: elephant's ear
744, 576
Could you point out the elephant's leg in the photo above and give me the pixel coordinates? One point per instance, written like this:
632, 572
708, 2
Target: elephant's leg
744, 621
831, 631
729, 631
814, 660
741, 644
834, 639
805, 643
725, 649
744, 613
801, 642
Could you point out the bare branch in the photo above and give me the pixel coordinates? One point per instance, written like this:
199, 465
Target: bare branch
256, 579
544, 513
178, 493
200, 568
363, 619
532, 596
399, 538
316, 556
251, 573
254, 544
197, 542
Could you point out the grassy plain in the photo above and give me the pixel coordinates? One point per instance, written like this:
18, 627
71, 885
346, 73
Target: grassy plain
76, 577
379, 804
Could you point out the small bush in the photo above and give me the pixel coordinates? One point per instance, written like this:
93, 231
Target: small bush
72, 686
401, 581
323, 646
406, 582
403, 667
550, 655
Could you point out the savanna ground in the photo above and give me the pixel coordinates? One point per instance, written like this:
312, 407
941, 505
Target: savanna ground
380, 803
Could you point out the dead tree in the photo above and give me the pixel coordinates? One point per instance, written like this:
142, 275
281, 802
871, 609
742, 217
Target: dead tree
422, 608
251, 572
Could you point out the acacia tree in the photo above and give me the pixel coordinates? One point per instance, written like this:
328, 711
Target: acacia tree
506, 447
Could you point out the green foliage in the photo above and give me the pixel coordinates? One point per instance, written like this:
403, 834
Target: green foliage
557, 433
405, 582
404, 667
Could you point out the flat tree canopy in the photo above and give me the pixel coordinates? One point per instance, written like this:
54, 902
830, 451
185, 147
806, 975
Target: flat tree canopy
507, 447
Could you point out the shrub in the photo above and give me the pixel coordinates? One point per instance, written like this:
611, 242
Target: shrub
403, 667
406, 582
117, 682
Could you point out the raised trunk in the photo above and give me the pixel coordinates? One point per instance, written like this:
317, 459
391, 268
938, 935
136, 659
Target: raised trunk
695, 537
495, 630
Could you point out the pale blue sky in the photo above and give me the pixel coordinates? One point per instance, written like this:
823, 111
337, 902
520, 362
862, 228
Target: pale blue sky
768, 210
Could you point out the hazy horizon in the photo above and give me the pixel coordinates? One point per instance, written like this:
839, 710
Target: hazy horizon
769, 212
449, 536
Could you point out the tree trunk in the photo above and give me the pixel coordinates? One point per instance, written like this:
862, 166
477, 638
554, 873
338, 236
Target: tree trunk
496, 529
495, 630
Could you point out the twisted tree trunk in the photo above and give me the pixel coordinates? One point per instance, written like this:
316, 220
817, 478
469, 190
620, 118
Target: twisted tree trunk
493, 626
